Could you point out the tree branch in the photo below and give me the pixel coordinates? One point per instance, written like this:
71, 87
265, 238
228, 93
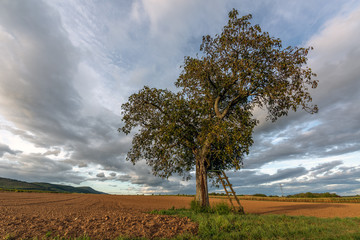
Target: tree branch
216, 106
211, 82
232, 103
156, 106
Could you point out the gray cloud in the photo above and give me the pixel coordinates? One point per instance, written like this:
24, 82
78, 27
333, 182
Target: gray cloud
55, 152
36, 80
100, 175
5, 149
253, 178
325, 177
335, 129
39, 92
36, 168
140, 175
67, 66
342, 181
325, 167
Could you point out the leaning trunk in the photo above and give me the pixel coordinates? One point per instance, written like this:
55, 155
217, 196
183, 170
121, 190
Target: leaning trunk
202, 195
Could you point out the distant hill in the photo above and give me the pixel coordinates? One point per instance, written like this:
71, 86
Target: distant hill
11, 184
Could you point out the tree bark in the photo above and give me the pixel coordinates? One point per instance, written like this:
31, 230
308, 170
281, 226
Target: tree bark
202, 194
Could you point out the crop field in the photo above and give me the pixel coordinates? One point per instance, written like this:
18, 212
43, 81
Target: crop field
287, 199
50, 215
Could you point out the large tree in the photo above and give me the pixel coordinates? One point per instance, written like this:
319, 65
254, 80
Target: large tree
208, 123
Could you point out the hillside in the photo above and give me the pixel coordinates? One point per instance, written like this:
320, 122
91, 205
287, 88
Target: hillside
11, 184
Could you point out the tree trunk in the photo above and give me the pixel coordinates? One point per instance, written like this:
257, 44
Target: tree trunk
202, 195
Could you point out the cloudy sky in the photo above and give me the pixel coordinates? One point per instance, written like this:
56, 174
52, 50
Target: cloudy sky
67, 66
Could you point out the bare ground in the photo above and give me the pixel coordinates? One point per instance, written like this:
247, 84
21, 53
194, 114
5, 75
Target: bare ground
28, 215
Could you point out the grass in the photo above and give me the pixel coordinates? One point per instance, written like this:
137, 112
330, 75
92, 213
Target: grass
220, 223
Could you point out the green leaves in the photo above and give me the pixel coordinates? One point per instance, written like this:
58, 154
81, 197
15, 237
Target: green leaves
210, 118
166, 130
244, 64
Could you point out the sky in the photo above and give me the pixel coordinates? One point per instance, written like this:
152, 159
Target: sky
67, 66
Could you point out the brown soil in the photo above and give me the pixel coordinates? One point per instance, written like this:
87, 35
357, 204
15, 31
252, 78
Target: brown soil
323, 210
28, 215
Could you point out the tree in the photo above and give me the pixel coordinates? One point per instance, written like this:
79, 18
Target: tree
208, 123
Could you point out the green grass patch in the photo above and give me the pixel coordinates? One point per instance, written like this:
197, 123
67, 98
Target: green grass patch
220, 223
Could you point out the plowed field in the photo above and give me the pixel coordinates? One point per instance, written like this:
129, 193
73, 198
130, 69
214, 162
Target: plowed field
28, 215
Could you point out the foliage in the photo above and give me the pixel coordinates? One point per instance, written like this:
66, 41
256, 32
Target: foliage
314, 195
208, 122
241, 68
196, 207
220, 208
168, 129
259, 195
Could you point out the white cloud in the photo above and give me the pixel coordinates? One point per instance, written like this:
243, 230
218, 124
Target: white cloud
66, 67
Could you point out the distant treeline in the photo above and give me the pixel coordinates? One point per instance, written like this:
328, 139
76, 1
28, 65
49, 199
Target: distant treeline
298, 195
24, 190
314, 195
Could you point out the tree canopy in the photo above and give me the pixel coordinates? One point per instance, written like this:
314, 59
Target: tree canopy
209, 123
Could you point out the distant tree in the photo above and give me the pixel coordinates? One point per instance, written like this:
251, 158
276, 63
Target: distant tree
259, 195
314, 195
208, 123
